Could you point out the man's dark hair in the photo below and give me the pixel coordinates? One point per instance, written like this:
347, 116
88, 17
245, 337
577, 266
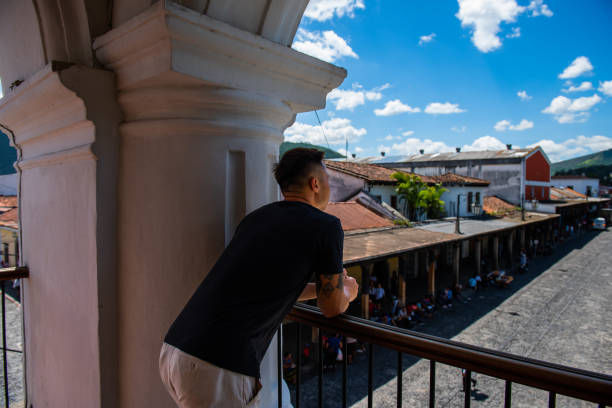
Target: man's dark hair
295, 166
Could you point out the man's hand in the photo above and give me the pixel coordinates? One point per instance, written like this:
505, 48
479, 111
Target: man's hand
351, 287
335, 292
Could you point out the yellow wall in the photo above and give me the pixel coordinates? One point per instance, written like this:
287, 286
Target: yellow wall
10, 237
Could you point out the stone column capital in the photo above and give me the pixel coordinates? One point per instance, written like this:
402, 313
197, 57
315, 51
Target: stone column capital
169, 44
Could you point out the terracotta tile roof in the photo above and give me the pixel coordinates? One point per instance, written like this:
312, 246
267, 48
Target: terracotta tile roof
10, 218
369, 172
372, 245
382, 175
495, 205
355, 216
8, 201
567, 193
453, 179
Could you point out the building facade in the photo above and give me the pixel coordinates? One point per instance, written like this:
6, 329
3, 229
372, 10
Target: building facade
514, 174
581, 184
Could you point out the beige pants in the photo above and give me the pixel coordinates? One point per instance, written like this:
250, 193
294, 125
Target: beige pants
194, 383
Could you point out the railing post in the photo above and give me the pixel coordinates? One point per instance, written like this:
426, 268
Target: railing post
279, 352
432, 383
4, 362
508, 395
400, 373
344, 369
320, 369
552, 399
467, 388
370, 374
298, 374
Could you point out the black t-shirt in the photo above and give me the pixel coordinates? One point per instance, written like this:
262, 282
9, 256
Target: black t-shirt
233, 315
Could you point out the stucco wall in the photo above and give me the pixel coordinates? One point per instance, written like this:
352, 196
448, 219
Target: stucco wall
450, 199
385, 192
537, 168
343, 186
578, 184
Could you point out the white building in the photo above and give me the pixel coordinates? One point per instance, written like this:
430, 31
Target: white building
512, 173
348, 178
581, 184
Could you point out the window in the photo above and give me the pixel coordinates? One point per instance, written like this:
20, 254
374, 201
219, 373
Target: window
478, 198
394, 201
378, 198
469, 202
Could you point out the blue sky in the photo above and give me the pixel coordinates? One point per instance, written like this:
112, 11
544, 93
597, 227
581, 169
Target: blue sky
475, 74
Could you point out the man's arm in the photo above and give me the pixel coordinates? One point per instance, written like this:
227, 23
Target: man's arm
335, 292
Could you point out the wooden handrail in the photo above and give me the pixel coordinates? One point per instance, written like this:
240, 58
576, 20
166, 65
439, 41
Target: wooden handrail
15, 272
573, 382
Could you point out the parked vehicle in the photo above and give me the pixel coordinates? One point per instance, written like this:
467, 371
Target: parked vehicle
599, 223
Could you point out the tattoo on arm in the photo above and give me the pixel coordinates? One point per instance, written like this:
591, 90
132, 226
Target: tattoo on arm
327, 283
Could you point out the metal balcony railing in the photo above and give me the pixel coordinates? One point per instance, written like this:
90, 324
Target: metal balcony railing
8, 274
554, 378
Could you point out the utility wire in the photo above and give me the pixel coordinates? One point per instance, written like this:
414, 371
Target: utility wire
322, 129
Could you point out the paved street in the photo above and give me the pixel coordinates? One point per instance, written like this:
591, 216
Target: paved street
559, 312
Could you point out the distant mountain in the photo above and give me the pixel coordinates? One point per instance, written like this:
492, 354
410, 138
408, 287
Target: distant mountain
329, 153
603, 158
596, 165
8, 155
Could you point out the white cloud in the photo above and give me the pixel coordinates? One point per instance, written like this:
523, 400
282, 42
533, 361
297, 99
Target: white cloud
326, 45
358, 149
413, 145
577, 146
578, 67
484, 17
503, 125
322, 10
459, 129
437, 108
538, 7
389, 137
605, 88
516, 32
408, 133
585, 86
350, 99
395, 107
568, 110
484, 143
523, 95
424, 39
337, 130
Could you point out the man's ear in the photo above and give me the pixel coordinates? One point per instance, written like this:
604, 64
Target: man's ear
313, 182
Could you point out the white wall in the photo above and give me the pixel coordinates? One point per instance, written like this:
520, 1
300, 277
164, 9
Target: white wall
385, 192
505, 179
450, 199
578, 184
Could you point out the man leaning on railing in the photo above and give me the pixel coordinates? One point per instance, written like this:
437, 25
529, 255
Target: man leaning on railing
212, 353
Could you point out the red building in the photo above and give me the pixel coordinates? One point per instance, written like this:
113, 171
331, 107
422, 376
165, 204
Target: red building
537, 175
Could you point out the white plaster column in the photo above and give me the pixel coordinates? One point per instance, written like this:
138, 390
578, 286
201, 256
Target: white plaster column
205, 105
64, 121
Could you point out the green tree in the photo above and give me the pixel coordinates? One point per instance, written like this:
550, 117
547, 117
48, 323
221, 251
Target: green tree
429, 200
408, 188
